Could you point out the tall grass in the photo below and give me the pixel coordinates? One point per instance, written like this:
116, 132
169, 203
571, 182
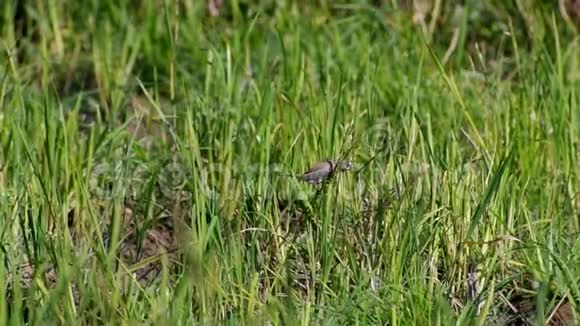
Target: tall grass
147, 155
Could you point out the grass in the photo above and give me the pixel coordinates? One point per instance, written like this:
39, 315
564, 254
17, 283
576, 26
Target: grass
147, 153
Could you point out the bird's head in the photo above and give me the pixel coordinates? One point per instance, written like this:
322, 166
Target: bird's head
345, 165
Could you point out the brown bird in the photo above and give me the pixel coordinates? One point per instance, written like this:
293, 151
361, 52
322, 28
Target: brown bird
323, 170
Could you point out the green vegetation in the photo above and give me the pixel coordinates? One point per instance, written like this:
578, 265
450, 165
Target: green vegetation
148, 153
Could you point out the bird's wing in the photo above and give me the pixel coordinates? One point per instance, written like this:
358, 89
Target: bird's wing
319, 166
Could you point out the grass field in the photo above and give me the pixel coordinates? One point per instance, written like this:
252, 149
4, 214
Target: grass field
148, 154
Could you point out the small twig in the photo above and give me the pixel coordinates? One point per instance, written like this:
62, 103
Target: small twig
555, 310
434, 17
451, 47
